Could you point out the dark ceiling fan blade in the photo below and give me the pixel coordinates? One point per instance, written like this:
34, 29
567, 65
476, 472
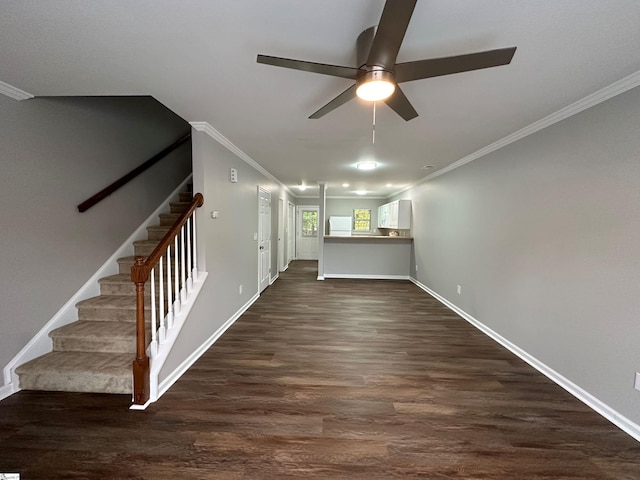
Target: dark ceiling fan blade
435, 67
323, 68
390, 33
401, 105
344, 97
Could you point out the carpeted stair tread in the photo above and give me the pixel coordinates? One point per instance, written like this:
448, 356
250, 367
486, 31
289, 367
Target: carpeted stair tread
90, 336
144, 248
114, 308
121, 285
115, 302
125, 264
78, 372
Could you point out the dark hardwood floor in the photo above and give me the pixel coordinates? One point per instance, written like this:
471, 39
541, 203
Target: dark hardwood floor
340, 379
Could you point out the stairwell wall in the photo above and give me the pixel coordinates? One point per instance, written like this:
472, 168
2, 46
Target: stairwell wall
57, 152
227, 248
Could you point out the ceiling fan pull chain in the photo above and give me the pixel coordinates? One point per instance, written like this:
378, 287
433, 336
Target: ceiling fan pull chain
373, 133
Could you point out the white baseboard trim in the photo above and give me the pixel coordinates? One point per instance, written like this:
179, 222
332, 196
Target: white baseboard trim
13, 92
320, 277
40, 344
273, 279
7, 390
191, 359
367, 277
585, 397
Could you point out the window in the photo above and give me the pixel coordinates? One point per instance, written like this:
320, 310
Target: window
361, 220
309, 223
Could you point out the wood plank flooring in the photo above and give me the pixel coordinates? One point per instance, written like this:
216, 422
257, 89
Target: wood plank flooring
340, 379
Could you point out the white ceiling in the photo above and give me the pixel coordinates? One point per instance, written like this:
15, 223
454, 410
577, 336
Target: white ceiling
198, 57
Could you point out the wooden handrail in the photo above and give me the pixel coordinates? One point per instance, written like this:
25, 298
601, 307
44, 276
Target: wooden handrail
105, 192
140, 273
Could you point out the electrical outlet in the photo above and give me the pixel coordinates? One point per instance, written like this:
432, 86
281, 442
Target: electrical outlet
459, 290
636, 384
240, 290
416, 267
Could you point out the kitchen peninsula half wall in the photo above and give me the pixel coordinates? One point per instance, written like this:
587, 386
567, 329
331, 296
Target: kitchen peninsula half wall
367, 256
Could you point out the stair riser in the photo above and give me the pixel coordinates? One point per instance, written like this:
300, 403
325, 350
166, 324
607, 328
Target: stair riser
125, 268
177, 208
168, 219
130, 289
156, 233
110, 314
105, 345
186, 196
143, 250
61, 382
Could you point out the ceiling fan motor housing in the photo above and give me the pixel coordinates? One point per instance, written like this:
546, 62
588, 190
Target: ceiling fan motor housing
363, 45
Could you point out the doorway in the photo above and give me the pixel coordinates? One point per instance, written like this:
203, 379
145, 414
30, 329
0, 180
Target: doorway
307, 232
264, 238
291, 232
282, 262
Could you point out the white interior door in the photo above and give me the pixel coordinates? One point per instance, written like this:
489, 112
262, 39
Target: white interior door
307, 232
291, 232
281, 259
264, 238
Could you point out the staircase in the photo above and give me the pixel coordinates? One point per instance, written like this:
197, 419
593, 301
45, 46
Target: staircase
95, 353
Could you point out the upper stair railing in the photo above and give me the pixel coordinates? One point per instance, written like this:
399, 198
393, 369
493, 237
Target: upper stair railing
105, 192
170, 271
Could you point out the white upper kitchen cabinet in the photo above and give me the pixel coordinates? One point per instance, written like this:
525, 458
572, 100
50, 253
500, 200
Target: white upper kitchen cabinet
396, 214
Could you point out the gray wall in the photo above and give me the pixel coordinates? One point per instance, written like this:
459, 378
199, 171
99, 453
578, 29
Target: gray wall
55, 153
228, 251
543, 237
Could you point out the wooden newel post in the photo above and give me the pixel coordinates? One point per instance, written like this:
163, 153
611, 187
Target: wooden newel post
141, 389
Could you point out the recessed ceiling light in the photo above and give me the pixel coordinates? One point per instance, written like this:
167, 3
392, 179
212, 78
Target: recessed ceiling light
366, 165
389, 185
345, 185
361, 192
302, 187
427, 167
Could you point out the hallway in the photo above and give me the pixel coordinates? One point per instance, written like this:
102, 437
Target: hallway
341, 379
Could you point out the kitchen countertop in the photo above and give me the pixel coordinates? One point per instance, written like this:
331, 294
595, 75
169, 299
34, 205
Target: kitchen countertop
367, 237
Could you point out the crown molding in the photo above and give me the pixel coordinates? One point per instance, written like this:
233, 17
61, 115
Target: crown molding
225, 142
13, 92
616, 88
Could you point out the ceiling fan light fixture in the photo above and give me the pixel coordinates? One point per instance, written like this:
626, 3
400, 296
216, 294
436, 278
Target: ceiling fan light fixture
375, 85
367, 166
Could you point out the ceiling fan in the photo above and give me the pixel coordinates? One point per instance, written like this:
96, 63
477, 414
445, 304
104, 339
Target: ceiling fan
378, 75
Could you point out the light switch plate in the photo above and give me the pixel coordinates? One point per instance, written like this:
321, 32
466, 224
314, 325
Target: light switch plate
636, 384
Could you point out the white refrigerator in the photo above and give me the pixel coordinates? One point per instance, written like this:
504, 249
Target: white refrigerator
340, 226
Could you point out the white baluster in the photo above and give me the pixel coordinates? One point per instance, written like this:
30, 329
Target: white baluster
169, 297
195, 262
183, 289
176, 304
189, 279
162, 331
154, 334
